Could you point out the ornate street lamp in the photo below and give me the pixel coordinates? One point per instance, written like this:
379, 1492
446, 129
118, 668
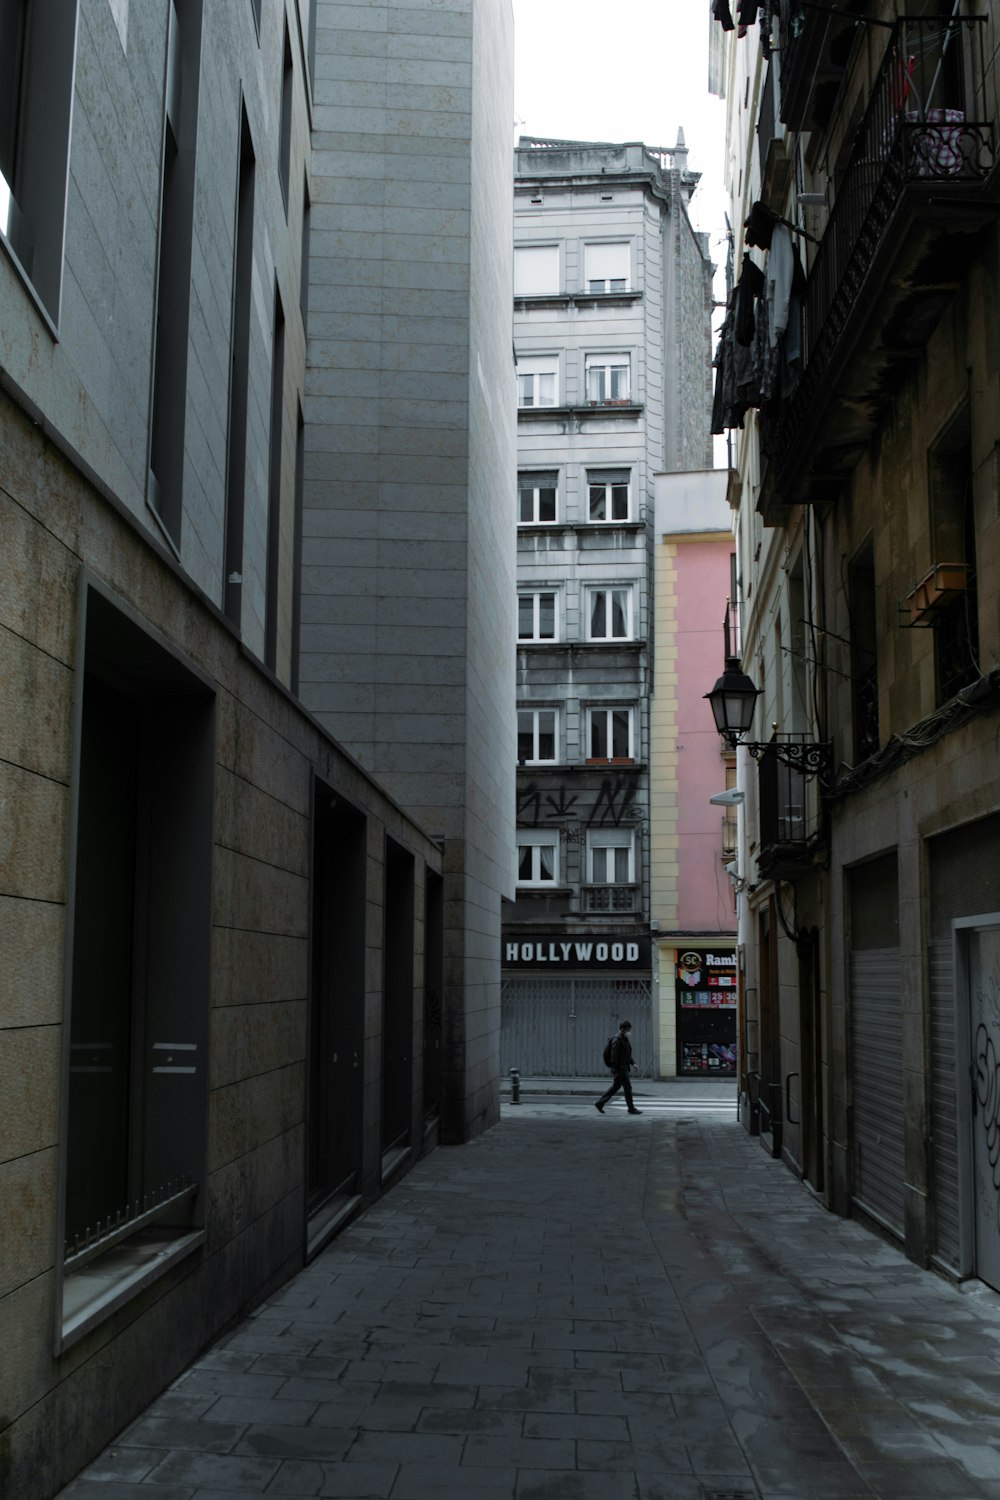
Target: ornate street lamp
733, 700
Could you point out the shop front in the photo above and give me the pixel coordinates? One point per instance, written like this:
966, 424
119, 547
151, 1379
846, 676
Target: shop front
562, 999
706, 1003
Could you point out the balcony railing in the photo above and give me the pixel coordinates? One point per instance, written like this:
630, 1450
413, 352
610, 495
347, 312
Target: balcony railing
610, 897
919, 126
923, 135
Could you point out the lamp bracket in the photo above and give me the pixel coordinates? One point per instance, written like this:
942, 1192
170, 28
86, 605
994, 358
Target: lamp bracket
809, 757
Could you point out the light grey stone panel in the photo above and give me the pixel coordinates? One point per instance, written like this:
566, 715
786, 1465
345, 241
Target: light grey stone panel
446, 612
364, 18
432, 274
30, 1066
352, 643
451, 442
249, 821
34, 835
252, 1039
410, 77
420, 641
322, 662
247, 1114
435, 22
27, 1188
31, 940
253, 968
427, 469
442, 249
330, 114
419, 671
322, 604
427, 47
258, 897
333, 382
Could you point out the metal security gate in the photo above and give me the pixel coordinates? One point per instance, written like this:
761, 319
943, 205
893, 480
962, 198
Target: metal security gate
557, 1027
877, 1084
944, 1107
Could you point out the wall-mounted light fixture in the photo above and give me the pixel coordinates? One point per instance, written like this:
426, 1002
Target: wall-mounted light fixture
733, 700
730, 798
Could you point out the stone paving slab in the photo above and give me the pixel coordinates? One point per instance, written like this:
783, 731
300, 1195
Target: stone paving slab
577, 1307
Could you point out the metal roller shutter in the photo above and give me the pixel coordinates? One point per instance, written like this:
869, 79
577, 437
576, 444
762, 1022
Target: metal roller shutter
944, 1107
557, 1027
877, 1074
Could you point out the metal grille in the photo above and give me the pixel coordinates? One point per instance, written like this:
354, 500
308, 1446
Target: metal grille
877, 1075
557, 1027
944, 1107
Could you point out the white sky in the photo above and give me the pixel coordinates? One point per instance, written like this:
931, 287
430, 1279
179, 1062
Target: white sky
624, 70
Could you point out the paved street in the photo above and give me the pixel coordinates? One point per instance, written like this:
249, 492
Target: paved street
577, 1307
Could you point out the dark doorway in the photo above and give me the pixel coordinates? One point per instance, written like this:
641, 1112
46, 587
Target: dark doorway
336, 1004
397, 999
433, 990
810, 1060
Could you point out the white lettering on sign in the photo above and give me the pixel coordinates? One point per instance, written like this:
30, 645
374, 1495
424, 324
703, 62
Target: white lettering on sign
568, 953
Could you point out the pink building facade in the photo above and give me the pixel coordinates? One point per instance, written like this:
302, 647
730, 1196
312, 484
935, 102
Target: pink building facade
692, 839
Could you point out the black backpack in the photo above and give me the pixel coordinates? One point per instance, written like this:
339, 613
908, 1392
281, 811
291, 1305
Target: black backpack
606, 1054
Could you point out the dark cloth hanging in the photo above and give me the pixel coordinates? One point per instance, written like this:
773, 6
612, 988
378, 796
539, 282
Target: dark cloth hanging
722, 14
747, 13
749, 288
759, 225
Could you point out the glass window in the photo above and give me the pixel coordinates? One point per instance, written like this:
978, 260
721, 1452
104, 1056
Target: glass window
608, 496
536, 499
536, 616
537, 858
536, 383
606, 267
536, 736
608, 377
609, 733
610, 857
611, 614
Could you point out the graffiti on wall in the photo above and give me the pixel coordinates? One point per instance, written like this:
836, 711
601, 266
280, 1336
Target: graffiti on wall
986, 1067
609, 805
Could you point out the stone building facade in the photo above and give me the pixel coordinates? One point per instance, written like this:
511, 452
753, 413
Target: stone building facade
611, 318
243, 983
868, 543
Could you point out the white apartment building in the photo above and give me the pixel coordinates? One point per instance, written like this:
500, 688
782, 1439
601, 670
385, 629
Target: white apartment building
612, 296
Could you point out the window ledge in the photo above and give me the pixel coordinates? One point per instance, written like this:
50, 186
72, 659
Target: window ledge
94, 1292
324, 1224
392, 1160
561, 413
523, 302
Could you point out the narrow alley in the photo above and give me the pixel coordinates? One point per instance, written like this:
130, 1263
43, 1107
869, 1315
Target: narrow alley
582, 1307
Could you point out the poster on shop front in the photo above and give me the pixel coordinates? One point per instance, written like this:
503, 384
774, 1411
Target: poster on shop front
706, 991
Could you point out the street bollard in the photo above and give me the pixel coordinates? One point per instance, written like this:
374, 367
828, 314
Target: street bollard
515, 1085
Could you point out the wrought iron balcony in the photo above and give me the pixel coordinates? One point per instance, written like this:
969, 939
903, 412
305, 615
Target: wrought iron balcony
897, 243
792, 840
815, 43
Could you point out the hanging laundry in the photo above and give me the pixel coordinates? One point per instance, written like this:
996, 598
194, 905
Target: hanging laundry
778, 280
749, 288
722, 14
759, 225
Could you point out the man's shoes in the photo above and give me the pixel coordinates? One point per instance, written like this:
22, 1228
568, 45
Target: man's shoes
599, 1108
635, 1111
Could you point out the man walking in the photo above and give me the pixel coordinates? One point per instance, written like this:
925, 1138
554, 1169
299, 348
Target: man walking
621, 1064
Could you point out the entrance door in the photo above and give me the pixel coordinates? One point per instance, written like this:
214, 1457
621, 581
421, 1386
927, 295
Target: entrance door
978, 954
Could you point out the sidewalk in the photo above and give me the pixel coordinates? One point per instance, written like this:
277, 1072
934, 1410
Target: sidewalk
589, 1308
718, 1090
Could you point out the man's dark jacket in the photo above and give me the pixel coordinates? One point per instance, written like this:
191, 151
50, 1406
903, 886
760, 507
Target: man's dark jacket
621, 1053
